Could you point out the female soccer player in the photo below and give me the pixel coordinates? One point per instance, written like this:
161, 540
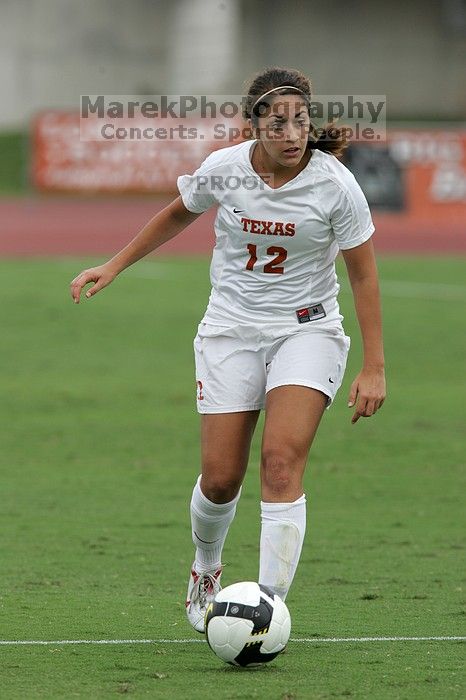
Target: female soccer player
271, 336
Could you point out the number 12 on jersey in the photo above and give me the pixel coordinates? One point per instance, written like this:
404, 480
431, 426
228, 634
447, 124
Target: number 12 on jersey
274, 267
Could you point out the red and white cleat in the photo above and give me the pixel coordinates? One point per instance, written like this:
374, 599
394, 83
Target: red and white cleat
202, 588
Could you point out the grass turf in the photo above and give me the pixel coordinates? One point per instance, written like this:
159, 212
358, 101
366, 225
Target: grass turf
14, 147
99, 454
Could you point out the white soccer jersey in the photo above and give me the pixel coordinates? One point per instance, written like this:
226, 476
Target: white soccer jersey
275, 248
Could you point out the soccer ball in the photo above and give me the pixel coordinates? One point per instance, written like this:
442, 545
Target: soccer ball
247, 624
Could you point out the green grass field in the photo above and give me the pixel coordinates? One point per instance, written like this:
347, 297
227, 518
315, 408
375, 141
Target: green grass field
100, 450
14, 162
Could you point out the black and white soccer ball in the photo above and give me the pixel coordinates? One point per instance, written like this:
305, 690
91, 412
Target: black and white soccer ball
247, 624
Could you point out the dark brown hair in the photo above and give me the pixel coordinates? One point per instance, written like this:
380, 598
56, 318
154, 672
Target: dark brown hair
330, 138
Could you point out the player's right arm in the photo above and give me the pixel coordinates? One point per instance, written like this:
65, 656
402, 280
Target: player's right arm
160, 229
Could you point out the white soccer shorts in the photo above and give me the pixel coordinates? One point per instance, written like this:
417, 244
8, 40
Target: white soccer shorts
237, 365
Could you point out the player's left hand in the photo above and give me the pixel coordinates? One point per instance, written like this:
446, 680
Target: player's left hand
367, 393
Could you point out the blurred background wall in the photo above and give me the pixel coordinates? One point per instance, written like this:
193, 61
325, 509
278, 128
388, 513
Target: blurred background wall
51, 51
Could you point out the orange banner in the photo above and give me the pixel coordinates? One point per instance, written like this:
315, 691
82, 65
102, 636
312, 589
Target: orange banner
64, 163
435, 166
419, 174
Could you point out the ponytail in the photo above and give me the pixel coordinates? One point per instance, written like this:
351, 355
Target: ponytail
329, 139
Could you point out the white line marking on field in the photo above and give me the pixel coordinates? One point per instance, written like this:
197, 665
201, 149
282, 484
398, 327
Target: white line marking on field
316, 640
310, 640
151, 271
434, 291
429, 291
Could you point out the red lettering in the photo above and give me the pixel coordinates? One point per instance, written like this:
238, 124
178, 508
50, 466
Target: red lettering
252, 250
266, 227
245, 223
275, 267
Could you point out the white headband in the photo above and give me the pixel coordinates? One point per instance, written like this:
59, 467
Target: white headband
280, 87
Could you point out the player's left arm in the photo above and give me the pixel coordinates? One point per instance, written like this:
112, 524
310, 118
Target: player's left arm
367, 392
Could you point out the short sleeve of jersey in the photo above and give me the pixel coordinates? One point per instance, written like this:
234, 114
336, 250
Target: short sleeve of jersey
196, 191
350, 216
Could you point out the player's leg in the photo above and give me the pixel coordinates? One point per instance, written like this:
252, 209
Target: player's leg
304, 376
293, 414
230, 375
225, 444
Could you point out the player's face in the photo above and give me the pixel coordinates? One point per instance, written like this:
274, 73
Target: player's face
284, 130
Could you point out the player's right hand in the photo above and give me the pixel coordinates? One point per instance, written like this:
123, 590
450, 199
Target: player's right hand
101, 276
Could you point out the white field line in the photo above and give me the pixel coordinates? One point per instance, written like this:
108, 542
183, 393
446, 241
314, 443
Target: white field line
424, 290
310, 640
429, 291
151, 271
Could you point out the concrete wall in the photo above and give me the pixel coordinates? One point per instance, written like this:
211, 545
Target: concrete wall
413, 51
51, 51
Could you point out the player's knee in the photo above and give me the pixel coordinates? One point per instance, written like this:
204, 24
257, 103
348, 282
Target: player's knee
219, 487
278, 468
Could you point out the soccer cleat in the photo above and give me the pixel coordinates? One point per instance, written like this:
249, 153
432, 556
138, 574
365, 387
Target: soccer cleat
202, 588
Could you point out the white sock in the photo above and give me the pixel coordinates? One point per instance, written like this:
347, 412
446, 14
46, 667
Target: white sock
282, 536
209, 524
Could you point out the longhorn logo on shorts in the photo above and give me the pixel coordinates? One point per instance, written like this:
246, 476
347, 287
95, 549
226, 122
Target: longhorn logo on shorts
200, 395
